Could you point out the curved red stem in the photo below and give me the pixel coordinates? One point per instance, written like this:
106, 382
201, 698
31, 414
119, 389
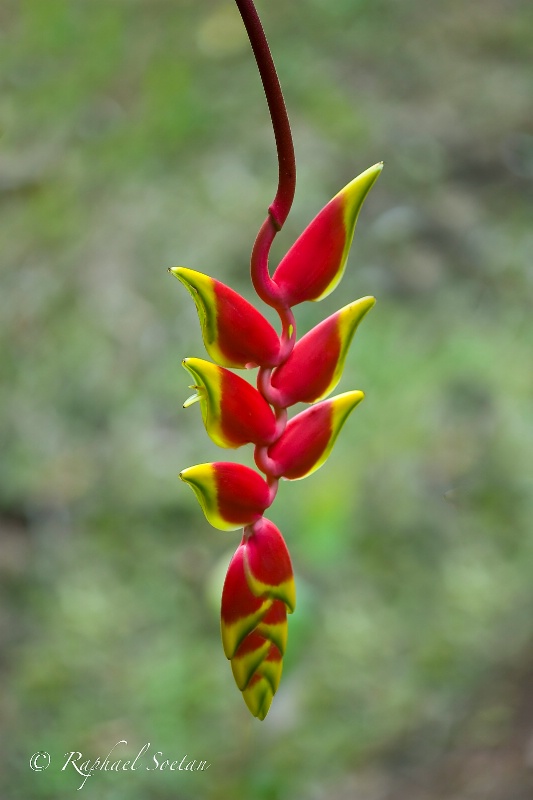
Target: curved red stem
279, 209
282, 203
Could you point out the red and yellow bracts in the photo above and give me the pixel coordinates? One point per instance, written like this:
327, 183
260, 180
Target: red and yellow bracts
258, 592
259, 588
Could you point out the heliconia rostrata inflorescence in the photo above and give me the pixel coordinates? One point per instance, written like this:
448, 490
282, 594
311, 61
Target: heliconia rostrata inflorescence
259, 587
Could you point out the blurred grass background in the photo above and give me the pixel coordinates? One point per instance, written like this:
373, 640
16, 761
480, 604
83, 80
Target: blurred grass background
134, 136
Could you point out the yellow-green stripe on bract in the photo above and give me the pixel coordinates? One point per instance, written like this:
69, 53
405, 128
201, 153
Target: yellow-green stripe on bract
235, 333
315, 263
309, 436
315, 366
234, 413
231, 495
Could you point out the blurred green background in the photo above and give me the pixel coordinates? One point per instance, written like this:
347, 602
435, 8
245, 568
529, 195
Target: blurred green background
134, 137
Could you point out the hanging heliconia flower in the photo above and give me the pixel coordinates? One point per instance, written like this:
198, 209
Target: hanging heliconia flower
259, 588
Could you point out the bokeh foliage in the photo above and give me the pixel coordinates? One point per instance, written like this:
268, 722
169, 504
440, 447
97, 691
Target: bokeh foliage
134, 136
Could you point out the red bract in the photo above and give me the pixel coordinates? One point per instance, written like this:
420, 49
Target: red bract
309, 437
234, 413
267, 564
259, 588
235, 333
230, 495
241, 610
315, 263
314, 367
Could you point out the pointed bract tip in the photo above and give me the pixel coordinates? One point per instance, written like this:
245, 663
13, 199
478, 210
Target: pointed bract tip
190, 277
357, 189
348, 400
360, 307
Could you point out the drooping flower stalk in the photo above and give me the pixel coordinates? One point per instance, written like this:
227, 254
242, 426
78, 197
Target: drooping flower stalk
281, 205
259, 587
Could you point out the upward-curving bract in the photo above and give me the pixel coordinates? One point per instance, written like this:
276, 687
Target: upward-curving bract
259, 589
314, 368
315, 263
